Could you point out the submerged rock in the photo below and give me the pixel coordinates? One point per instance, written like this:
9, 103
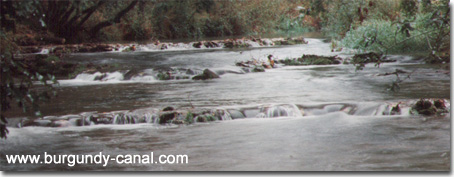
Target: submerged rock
235, 114
210, 44
100, 77
207, 74
258, 69
162, 46
197, 45
167, 117
236, 44
131, 73
205, 118
396, 110
169, 108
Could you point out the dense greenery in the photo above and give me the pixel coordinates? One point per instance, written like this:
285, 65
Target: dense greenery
77, 21
414, 31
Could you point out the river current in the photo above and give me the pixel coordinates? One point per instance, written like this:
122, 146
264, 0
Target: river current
295, 118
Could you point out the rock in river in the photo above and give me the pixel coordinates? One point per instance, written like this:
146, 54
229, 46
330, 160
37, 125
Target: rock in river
207, 74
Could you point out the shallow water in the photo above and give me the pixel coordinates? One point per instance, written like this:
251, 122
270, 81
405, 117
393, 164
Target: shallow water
328, 117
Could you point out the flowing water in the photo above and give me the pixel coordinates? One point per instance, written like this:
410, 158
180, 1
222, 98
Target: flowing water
326, 117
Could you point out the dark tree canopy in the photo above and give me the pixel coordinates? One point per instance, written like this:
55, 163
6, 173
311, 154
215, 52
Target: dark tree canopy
65, 19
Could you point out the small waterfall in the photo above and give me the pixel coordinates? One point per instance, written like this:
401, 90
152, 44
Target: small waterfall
277, 111
114, 76
125, 118
87, 76
98, 76
151, 118
222, 114
283, 111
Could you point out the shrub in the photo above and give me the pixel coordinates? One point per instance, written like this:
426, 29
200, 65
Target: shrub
18, 81
384, 37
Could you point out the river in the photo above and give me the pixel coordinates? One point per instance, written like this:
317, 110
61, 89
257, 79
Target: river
296, 118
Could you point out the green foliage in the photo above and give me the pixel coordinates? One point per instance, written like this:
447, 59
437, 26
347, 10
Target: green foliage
438, 26
80, 21
425, 6
163, 76
17, 82
384, 37
340, 18
409, 7
189, 118
291, 62
293, 27
51, 59
211, 118
423, 32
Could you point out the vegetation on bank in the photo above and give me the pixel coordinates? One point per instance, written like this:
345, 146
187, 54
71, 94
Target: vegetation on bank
424, 30
133, 20
18, 81
389, 26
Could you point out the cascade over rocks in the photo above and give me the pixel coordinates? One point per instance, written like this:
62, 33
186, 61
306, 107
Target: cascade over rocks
170, 115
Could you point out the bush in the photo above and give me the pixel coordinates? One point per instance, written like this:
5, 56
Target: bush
18, 81
384, 37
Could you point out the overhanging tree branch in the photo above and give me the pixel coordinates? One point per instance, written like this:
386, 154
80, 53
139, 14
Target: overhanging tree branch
114, 20
89, 12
